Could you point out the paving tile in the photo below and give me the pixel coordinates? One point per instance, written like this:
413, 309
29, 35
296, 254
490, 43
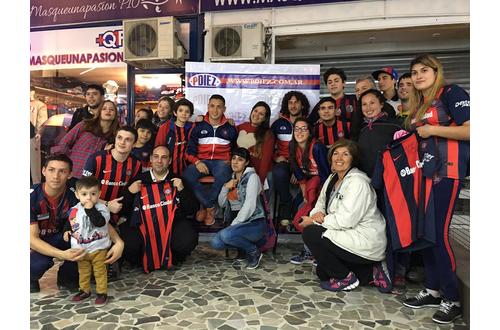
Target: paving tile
209, 292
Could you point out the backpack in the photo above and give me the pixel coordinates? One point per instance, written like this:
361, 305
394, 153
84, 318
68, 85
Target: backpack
271, 237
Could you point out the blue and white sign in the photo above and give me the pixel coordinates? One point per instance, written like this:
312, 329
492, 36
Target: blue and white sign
243, 85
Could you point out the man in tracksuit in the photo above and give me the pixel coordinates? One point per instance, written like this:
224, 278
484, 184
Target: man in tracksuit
209, 150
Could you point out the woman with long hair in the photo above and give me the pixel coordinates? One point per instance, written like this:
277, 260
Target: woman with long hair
243, 209
442, 112
309, 163
89, 136
256, 136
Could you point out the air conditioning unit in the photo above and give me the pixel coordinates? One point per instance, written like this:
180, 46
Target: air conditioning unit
241, 43
153, 43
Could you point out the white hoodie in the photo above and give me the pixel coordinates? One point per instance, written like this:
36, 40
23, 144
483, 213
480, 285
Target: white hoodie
353, 221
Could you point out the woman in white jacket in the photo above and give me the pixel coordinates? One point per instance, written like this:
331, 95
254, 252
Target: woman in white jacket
345, 231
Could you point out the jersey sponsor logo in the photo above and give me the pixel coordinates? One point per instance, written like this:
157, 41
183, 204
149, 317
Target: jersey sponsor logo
153, 206
113, 183
204, 80
87, 173
418, 164
108, 171
427, 115
461, 104
41, 217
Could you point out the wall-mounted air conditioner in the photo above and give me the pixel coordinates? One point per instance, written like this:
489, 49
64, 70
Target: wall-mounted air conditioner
243, 42
153, 43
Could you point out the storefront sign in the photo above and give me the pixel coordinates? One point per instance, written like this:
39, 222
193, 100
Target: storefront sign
57, 12
77, 48
216, 5
243, 85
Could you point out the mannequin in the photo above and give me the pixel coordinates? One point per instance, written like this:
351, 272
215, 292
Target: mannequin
38, 115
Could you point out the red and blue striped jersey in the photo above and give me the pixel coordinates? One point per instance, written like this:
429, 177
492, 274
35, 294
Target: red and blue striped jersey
50, 213
154, 211
175, 138
404, 171
329, 134
114, 176
208, 142
346, 107
282, 129
450, 108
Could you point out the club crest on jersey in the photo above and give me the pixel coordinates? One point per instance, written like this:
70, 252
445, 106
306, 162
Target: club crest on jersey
204, 131
341, 134
167, 191
129, 172
349, 108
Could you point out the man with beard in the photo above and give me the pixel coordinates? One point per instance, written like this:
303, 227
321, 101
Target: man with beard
94, 96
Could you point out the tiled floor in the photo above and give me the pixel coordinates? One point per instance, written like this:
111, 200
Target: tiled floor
211, 292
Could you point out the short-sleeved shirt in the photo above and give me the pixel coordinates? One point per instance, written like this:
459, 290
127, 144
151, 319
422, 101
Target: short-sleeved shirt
113, 175
450, 108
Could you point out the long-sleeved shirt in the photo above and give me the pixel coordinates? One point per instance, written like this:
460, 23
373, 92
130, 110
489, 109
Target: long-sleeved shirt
79, 144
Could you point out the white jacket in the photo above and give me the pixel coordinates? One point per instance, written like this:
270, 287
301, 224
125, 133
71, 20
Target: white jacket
353, 221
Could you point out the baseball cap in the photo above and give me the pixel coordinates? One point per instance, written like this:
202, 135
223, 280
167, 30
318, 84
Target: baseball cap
389, 70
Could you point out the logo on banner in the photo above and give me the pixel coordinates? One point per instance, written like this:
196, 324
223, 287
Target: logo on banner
204, 80
110, 39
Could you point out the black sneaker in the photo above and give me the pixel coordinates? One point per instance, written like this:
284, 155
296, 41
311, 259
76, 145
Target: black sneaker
254, 260
34, 286
447, 313
242, 255
422, 299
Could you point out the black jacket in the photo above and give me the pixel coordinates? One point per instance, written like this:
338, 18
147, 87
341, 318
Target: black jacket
374, 138
79, 115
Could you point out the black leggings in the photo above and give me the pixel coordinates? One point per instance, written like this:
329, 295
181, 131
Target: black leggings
333, 261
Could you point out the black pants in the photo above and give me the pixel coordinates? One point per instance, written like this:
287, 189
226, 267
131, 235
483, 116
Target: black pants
184, 239
183, 242
333, 261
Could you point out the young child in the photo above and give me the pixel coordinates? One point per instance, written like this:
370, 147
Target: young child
144, 144
89, 230
174, 135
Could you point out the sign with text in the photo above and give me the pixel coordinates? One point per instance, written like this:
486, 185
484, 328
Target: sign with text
77, 48
243, 85
216, 5
57, 12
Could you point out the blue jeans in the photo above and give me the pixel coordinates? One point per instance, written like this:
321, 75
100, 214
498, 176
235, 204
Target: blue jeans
221, 173
246, 236
39, 263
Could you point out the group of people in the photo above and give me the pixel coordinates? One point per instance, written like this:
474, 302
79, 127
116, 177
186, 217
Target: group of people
140, 189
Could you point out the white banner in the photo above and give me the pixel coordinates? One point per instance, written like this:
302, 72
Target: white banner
77, 48
243, 85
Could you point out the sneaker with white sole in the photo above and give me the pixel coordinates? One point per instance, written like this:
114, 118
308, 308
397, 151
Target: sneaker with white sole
349, 283
422, 299
254, 259
305, 256
447, 312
